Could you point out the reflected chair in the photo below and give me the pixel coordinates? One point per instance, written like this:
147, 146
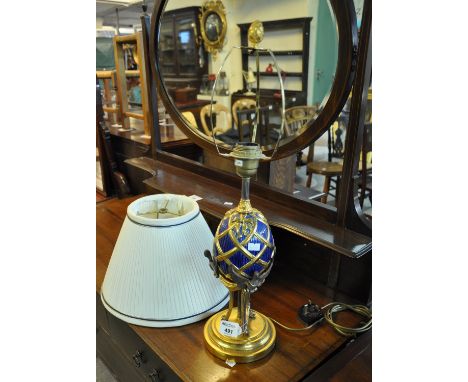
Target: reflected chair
247, 118
333, 170
191, 119
296, 117
329, 169
222, 118
365, 183
241, 104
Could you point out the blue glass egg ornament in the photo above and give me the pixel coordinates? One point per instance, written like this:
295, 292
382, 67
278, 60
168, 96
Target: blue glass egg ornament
243, 244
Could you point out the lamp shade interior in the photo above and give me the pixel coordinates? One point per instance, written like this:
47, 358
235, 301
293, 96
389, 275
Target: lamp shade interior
158, 275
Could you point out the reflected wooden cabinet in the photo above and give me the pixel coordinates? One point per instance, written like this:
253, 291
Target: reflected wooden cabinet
302, 28
183, 59
110, 101
126, 75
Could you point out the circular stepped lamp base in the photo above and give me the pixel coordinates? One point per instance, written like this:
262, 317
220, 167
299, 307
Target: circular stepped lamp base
242, 349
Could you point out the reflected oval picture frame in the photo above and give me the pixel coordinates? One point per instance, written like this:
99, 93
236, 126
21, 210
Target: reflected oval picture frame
330, 108
213, 19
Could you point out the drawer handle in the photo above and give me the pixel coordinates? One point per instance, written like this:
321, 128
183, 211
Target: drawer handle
155, 376
138, 358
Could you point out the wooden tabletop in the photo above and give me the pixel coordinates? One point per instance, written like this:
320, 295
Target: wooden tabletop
170, 135
192, 104
325, 168
352, 364
136, 134
296, 354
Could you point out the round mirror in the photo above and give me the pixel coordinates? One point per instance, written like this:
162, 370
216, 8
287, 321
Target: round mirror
313, 47
213, 27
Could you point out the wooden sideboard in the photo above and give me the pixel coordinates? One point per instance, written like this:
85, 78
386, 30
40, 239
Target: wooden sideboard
135, 353
134, 144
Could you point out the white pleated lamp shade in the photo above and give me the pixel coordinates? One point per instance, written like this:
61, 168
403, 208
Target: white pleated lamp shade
158, 275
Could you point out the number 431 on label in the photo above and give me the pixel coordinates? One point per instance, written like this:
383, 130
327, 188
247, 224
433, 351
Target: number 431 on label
229, 328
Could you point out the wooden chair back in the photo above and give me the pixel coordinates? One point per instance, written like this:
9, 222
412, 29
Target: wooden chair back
298, 116
295, 118
366, 162
191, 119
106, 152
222, 118
241, 104
366, 153
247, 118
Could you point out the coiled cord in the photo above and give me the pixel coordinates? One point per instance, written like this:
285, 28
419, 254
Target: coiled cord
334, 307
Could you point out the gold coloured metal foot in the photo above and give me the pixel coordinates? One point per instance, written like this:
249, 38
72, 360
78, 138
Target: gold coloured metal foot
243, 349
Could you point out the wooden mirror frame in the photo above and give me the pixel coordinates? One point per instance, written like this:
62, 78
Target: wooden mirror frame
208, 8
345, 16
347, 213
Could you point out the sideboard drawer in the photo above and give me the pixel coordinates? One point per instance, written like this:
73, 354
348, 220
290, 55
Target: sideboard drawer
114, 359
141, 356
101, 314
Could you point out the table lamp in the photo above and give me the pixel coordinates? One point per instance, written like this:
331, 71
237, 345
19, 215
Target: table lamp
250, 80
243, 251
157, 275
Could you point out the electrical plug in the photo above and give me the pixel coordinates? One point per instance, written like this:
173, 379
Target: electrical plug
310, 313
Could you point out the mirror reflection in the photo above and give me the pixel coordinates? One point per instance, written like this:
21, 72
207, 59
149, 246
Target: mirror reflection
213, 27
302, 34
305, 46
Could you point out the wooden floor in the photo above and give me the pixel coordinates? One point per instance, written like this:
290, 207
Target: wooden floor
103, 374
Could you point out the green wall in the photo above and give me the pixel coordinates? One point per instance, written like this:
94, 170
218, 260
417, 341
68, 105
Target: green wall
326, 52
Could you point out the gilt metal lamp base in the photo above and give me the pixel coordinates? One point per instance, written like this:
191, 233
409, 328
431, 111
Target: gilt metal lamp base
242, 349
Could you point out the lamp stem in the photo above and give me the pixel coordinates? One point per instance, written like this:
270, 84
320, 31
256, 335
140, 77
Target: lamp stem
245, 191
244, 310
244, 204
257, 98
231, 304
